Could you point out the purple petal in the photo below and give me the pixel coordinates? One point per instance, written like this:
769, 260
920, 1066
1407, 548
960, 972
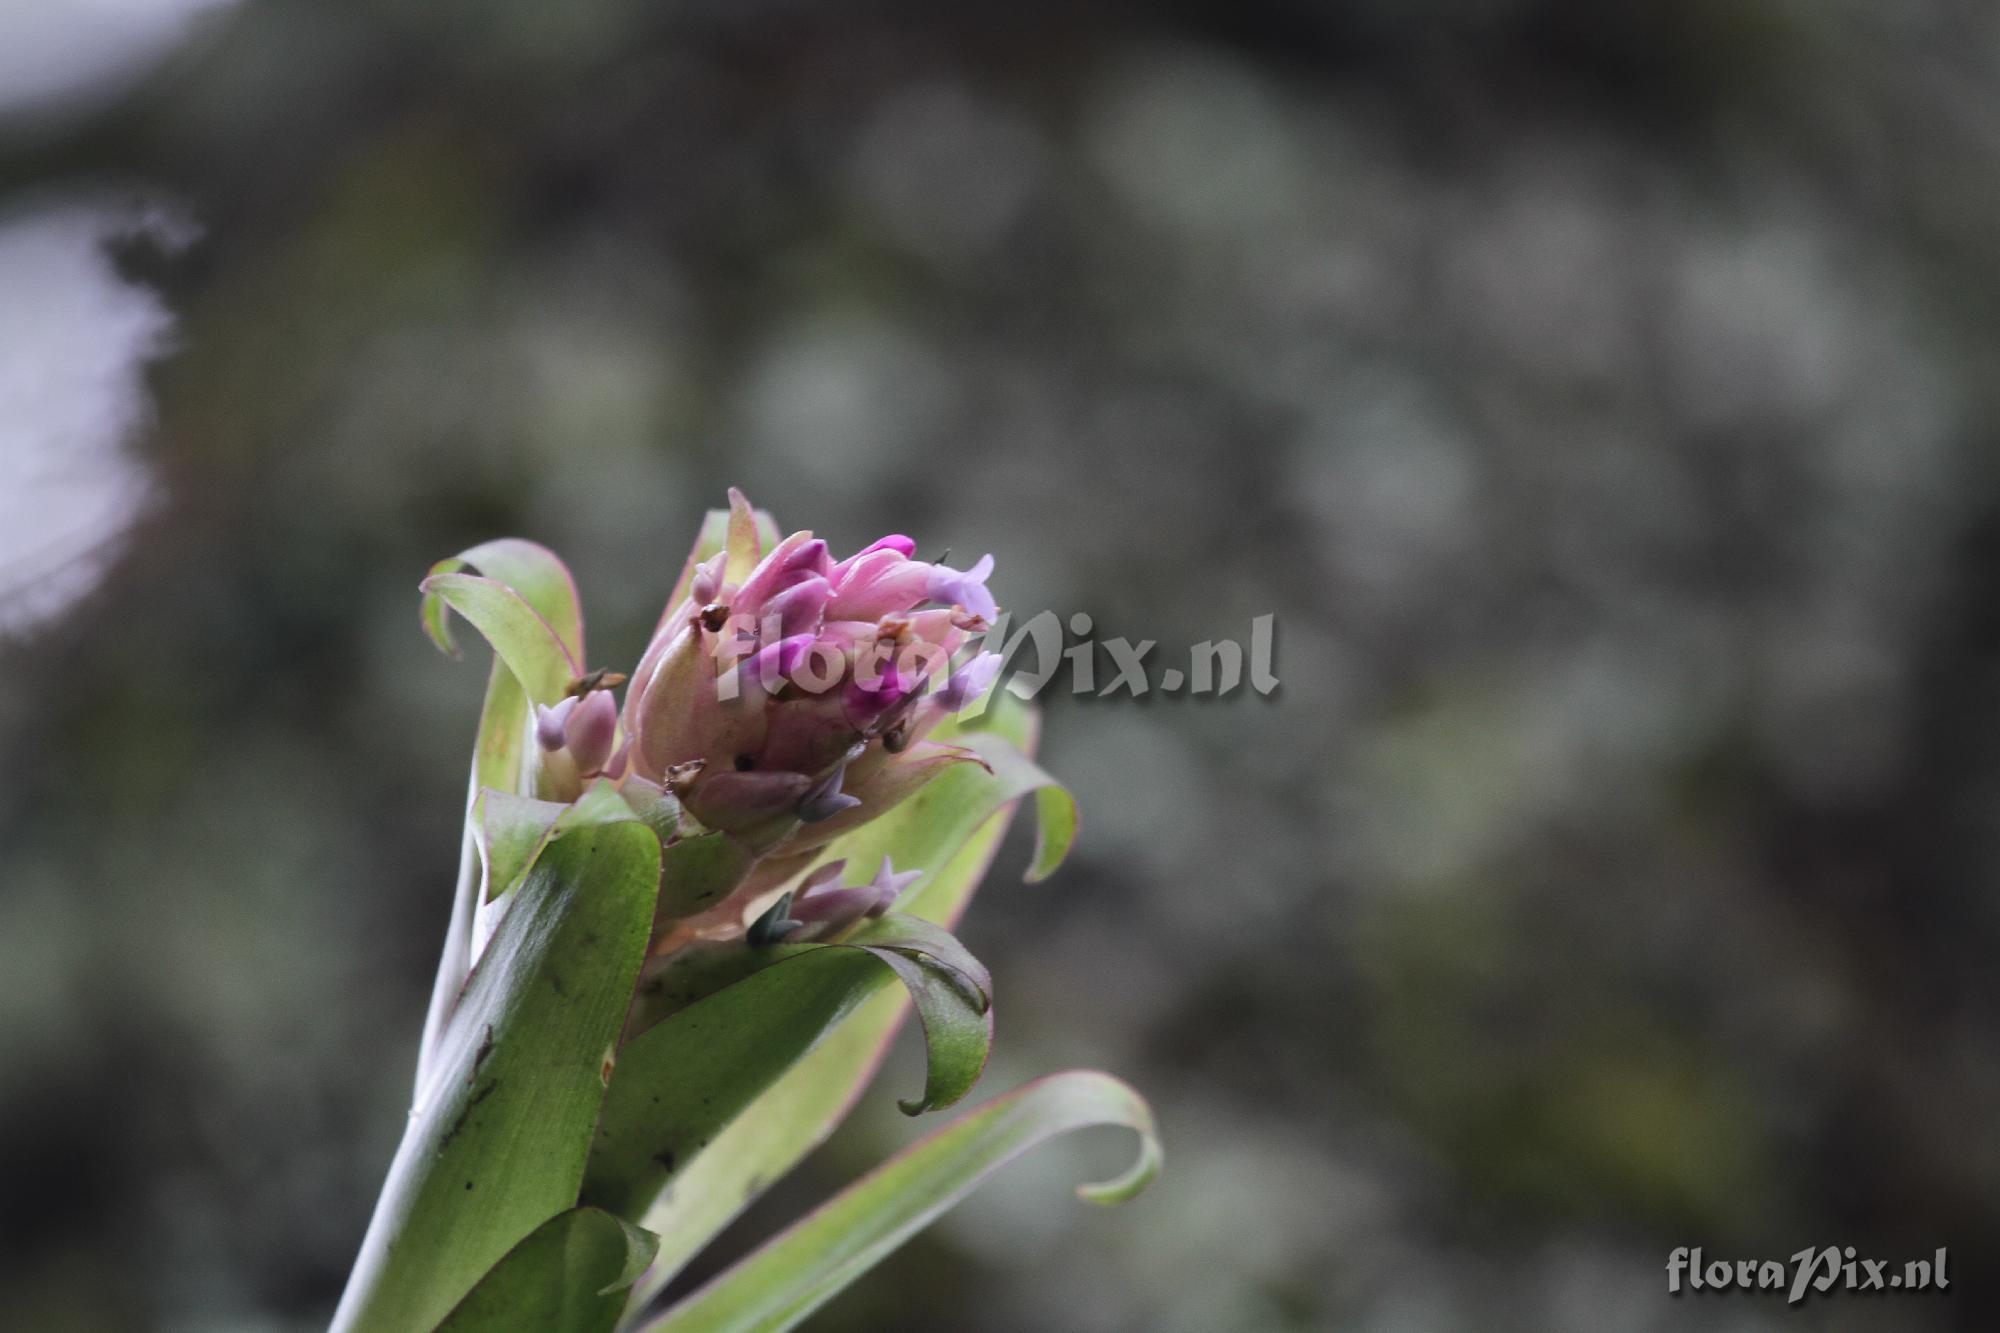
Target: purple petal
865, 701
826, 799
707, 580
550, 723
969, 682
592, 730
964, 587
895, 541
820, 878
800, 608
799, 557
829, 909
889, 886
882, 583
771, 664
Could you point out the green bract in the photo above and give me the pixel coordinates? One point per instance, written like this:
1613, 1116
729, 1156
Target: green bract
656, 994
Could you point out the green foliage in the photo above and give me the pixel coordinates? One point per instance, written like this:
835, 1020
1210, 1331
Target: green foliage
568, 1276
683, 1080
499, 1134
815, 1258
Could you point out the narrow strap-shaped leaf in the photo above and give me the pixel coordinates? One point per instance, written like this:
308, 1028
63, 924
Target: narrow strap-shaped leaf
528, 644
503, 744
958, 1029
533, 572
498, 757
814, 1259
568, 1276
681, 1081
914, 935
1055, 808
497, 1141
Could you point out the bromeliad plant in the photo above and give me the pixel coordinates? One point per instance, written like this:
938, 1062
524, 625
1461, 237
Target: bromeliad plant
686, 930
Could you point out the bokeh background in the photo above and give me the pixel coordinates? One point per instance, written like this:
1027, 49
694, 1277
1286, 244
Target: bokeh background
1602, 398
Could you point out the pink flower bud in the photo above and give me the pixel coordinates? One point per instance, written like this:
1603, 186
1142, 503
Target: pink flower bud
592, 731
552, 723
825, 910
789, 706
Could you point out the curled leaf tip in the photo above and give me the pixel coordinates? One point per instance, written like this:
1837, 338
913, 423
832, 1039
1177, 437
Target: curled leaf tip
1135, 1180
434, 616
1056, 821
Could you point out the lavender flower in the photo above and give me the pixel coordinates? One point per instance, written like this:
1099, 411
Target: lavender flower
785, 699
966, 588
583, 729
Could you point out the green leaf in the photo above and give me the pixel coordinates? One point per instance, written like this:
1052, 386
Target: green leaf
682, 1080
925, 829
503, 748
512, 830
531, 572
532, 649
498, 1138
927, 939
1055, 809
569, 1276
958, 1029
698, 873
814, 1259
499, 761
952, 827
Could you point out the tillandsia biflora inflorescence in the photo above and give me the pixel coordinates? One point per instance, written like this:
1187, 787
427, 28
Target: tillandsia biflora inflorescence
686, 928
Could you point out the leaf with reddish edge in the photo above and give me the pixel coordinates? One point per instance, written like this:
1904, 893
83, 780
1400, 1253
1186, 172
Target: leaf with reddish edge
532, 572
814, 1259
527, 643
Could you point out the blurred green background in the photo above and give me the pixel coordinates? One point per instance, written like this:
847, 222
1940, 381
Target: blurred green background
1600, 396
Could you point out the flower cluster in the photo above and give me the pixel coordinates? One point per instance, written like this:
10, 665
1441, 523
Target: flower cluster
786, 698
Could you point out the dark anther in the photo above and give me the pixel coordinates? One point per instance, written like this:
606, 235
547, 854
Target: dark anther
714, 616
745, 762
601, 679
897, 738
